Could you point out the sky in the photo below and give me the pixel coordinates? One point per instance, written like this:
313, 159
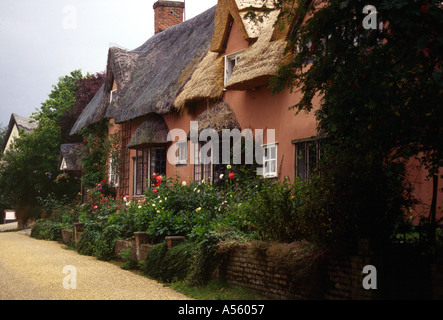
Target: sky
43, 40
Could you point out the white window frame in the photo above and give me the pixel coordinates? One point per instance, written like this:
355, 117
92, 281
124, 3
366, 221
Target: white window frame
111, 95
268, 159
181, 152
231, 61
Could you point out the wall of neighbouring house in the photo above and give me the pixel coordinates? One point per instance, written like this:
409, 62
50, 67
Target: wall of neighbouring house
14, 134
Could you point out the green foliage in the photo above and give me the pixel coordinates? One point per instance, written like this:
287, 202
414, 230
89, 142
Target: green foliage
154, 266
380, 91
47, 230
98, 240
274, 209
129, 262
97, 149
29, 172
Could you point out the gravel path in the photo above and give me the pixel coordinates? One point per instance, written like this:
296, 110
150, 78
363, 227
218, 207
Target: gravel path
33, 269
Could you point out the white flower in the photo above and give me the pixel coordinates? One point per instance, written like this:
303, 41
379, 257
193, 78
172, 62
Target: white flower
139, 207
158, 211
153, 204
198, 191
184, 183
203, 181
128, 204
221, 176
228, 166
160, 201
195, 189
198, 209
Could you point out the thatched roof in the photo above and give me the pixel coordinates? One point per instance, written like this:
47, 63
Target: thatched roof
165, 63
229, 10
153, 131
206, 82
218, 117
149, 77
257, 64
261, 61
70, 156
28, 125
93, 113
121, 64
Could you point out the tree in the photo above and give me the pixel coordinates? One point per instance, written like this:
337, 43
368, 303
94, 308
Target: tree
28, 172
381, 92
86, 88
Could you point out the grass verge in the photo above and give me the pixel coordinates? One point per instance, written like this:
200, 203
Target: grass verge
216, 290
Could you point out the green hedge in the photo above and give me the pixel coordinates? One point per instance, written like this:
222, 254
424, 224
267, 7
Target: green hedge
47, 230
170, 264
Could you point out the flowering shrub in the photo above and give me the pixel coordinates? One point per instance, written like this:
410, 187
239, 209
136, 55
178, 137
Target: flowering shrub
237, 203
98, 205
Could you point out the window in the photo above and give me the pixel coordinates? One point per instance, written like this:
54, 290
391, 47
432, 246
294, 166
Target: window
113, 93
146, 162
307, 154
113, 173
181, 153
231, 61
270, 160
202, 171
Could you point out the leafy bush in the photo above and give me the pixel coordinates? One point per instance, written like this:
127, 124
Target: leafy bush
129, 262
154, 266
98, 240
272, 210
170, 264
47, 230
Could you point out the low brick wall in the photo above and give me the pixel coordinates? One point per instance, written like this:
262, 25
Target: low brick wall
121, 245
139, 246
68, 236
345, 277
262, 270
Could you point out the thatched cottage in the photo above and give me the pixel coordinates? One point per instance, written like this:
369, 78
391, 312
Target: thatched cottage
16, 126
214, 69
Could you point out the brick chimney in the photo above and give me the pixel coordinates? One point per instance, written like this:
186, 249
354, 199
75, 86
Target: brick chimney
167, 14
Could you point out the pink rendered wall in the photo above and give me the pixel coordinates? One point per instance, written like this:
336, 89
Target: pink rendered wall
260, 109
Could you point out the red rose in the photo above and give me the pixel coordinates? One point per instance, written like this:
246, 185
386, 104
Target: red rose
154, 175
159, 179
231, 175
155, 190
